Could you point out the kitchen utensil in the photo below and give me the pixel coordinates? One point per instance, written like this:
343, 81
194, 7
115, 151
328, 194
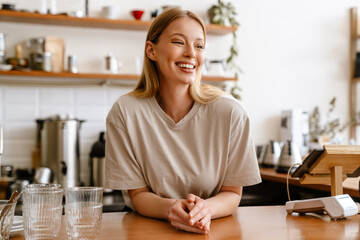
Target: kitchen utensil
41, 61
2, 48
290, 155
215, 67
5, 67
72, 64
111, 63
60, 148
42, 206
8, 6
18, 186
36, 45
97, 162
42, 175
7, 216
270, 154
110, 12
7, 206
137, 14
83, 212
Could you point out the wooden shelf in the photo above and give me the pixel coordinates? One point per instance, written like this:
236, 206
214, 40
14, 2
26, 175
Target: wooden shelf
351, 185
357, 79
40, 77
62, 20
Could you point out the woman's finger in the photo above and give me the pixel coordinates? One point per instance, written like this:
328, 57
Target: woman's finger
191, 198
204, 221
199, 205
203, 213
179, 211
188, 228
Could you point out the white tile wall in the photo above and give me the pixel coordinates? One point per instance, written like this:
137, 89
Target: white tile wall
56, 96
87, 96
17, 131
20, 112
13, 95
20, 106
46, 111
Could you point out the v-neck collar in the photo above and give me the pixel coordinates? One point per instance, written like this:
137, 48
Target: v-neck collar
168, 119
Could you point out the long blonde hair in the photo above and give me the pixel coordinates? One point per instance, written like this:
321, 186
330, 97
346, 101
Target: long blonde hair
148, 84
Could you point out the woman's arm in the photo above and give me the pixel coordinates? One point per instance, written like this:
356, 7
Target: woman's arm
225, 202
149, 204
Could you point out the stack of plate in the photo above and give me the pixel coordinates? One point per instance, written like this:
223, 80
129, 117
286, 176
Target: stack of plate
17, 226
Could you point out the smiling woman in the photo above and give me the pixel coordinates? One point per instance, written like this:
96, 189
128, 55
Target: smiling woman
181, 149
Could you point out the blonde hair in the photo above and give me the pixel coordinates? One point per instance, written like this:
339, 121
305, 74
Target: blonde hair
148, 84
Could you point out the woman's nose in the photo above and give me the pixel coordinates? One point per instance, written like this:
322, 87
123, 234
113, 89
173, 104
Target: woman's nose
190, 52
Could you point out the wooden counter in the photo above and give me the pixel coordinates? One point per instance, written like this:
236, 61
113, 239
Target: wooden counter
270, 222
350, 185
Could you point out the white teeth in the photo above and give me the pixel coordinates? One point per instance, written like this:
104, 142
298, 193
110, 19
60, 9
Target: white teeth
189, 66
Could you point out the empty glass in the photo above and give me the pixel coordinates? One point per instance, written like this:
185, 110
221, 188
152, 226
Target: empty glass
6, 219
83, 212
42, 210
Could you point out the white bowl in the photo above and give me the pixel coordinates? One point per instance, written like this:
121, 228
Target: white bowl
5, 67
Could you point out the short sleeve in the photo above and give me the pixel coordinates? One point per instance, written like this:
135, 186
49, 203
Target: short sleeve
122, 171
243, 168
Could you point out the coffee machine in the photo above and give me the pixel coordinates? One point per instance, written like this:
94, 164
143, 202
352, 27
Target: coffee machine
58, 139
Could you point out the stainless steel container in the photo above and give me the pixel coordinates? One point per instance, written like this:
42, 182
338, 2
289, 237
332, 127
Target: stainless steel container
290, 155
72, 64
60, 148
97, 162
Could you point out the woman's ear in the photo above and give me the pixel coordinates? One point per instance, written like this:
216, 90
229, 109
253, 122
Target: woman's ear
150, 51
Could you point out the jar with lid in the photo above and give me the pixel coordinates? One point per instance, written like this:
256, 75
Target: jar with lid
41, 61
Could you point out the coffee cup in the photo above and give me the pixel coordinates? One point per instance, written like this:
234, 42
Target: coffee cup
110, 12
137, 14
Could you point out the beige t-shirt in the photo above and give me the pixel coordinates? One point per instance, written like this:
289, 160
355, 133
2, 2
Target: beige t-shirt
209, 148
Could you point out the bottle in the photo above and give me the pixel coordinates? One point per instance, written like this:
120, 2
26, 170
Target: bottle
111, 64
72, 61
18, 61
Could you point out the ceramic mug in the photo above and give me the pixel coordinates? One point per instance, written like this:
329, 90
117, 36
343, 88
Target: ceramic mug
137, 14
110, 12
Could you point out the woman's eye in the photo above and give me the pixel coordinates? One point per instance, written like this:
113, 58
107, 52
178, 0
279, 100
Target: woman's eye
200, 47
178, 42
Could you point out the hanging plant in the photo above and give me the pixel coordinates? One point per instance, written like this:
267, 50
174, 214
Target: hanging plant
225, 14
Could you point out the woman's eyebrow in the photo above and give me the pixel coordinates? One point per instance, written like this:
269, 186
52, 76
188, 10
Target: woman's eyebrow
182, 35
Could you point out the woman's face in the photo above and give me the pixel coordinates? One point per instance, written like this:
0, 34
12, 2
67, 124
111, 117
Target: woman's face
179, 52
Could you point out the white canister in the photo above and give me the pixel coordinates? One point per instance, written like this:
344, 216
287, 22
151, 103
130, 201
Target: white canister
52, 6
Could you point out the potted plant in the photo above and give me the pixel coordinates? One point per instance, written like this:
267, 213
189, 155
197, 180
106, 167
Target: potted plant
224, 14
327, 132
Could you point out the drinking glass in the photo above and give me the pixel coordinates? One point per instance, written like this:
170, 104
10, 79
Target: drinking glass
83, 212
42, 210
6, 219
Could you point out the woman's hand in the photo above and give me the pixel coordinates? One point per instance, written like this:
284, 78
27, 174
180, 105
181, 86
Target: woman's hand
179, 216
200, 213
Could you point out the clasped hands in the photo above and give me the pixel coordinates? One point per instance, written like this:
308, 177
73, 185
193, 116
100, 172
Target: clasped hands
191, 214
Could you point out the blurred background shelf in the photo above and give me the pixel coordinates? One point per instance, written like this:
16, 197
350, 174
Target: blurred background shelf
41, 77
89, 22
